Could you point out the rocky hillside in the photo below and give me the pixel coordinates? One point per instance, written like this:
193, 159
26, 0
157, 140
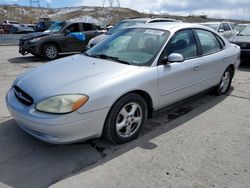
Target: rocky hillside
97, 15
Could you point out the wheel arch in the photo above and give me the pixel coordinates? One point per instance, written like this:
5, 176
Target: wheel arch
232, 67
144, 95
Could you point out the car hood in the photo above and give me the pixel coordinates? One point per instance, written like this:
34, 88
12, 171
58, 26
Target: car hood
98, 39
240, 39
34, 35
73, 74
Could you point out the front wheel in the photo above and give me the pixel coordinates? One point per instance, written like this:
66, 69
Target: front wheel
125, 119
225, 82
50, 51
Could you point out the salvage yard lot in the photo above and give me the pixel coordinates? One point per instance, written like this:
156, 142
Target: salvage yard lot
202, 142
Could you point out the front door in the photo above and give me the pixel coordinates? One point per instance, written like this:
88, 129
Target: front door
74, 40
180, 80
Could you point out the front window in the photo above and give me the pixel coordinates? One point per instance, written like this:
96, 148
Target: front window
226, 26
183, 43
245, 32
123, 25
55, 27
131, 46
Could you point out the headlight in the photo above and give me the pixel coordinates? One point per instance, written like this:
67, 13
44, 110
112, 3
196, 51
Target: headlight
62, 103
35, 39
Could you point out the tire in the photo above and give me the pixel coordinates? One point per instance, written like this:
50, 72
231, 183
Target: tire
125, 119
50, 51
225, 82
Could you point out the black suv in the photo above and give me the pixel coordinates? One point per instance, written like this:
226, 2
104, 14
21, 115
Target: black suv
60, 37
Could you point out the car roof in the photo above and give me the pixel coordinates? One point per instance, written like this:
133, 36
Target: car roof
172, 26
214, 22
151, 19
72, 22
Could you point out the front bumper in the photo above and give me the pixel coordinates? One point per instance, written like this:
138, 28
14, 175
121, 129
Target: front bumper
245, 54
56, 129
25, 47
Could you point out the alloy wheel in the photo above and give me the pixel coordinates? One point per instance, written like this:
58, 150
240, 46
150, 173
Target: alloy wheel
128, 120
225, 81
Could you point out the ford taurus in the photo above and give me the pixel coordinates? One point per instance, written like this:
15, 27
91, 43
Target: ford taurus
114, 87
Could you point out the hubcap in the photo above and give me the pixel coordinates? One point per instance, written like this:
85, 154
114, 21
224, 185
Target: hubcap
128, 120
51, 52
225, 81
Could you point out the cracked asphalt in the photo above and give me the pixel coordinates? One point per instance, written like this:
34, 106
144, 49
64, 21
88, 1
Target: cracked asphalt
28, 162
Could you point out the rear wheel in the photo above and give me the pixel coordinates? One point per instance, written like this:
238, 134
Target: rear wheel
125, 119
225, 82
50, 51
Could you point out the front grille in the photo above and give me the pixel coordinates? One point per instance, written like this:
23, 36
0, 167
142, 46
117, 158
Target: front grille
244, 45
22, 96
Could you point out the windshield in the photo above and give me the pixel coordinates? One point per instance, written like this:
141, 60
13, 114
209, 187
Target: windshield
123, 25
131, 46
213, 26
55, 27
245, 32
239, 28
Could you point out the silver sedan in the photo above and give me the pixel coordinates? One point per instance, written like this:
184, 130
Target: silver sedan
114, 87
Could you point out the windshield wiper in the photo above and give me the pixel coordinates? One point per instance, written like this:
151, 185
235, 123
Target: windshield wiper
103, 56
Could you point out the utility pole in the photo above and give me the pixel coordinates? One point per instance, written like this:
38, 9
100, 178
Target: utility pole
111, 3
34, 3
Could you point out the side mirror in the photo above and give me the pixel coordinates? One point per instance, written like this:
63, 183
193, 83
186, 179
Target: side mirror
175, 57
67, 32
221, 31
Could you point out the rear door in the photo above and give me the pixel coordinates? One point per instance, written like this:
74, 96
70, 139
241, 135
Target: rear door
89, 31
213, 56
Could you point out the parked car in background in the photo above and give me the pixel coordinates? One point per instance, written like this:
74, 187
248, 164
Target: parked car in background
59, 38
225, 28
242, 39
1, 30
127, 23
240, 27
115, 86
43, 24
7, 25
23, 29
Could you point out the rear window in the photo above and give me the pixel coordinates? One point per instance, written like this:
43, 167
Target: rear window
88, 27
208, 42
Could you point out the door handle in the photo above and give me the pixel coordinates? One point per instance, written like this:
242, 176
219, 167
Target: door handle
196, 67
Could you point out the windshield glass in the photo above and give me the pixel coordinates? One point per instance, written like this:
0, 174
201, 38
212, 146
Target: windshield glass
55, 27
213, 26
245, 32
122, 25
131, 46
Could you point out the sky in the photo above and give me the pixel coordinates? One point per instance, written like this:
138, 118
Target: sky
233, 9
